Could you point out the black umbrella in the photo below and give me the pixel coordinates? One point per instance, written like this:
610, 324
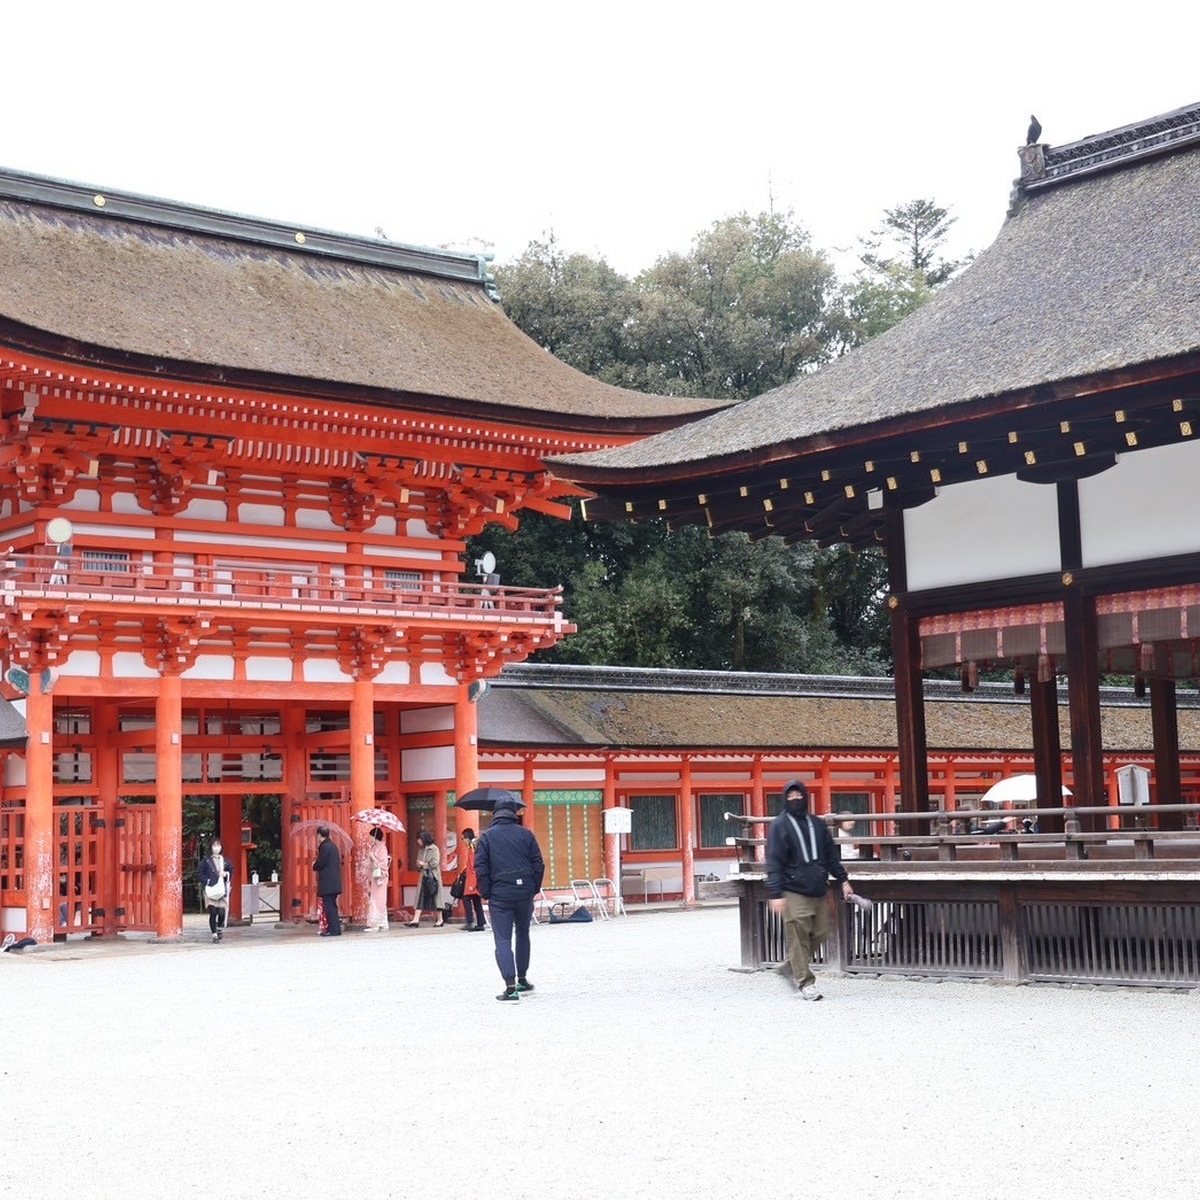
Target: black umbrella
485, 799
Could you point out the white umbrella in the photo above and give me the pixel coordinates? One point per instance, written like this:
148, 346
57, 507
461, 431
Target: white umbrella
1016, 789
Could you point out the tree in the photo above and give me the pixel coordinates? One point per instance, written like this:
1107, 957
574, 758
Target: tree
920, 227
886, 288
748, 308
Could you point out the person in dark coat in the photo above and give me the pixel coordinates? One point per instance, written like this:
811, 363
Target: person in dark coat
509, 870
328, 867
216, 884
801, 858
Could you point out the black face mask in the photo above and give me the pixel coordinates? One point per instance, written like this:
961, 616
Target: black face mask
797, 806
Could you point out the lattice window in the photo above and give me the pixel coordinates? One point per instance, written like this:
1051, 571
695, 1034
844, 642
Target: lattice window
655, 824
714, 829
110, 562
402, 581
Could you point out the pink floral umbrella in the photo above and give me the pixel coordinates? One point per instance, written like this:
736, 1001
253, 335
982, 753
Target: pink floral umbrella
379, 816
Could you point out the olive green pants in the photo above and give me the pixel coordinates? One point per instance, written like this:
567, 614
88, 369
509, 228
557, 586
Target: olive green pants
805, 927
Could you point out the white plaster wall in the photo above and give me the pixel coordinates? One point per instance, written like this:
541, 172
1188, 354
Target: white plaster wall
426, 720
407, 552
435, 673
206, 510
269, 669
984, 530
210, 666
126, 502
316, 518
84, 500
81, 664
428, 762
384, 526
394, 672
248, 541
418, 529
127, 532
129, 665
322, 670
1142, 508
541, 776
261, 514
506, 779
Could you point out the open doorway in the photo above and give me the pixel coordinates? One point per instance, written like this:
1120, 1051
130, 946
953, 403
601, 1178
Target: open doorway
252, 843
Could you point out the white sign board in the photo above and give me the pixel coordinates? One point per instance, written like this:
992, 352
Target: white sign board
1133, 784
618, 820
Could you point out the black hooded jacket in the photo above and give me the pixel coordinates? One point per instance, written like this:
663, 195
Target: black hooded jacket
807, 868
508, 860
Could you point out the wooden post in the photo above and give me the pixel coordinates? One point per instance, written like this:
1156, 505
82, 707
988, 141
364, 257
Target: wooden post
1047, 748
1164, 720
357, 875
758, 806
910, 692
168, 812
612, 845
687, 829
107, 776
295, 765
1083, 678
41, 890
466, 754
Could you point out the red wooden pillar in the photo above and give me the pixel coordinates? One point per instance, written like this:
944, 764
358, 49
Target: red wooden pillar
295, 765
758, 807
357, 874
107, 767
687, 830
168, 812
612, 845
230, 832
41, 891
466, 754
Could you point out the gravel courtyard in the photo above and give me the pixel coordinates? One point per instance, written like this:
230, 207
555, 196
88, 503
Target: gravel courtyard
382, 1066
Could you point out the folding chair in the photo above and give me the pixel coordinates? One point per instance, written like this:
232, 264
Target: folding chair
608, 894
586, 896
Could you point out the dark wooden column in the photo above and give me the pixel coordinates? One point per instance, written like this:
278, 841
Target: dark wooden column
1083, 690
910, 692
1164, 721
1047, 749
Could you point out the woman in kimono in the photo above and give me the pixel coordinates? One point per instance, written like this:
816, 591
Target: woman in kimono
378, 858
429, 887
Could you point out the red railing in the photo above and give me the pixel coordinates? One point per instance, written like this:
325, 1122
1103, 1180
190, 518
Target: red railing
320, 588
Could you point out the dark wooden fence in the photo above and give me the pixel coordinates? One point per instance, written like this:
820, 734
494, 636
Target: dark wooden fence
1119, 906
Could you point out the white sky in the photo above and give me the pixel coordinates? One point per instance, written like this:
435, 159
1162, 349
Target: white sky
625, 127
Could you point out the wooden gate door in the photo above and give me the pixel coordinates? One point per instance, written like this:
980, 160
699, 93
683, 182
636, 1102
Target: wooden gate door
135, 866
79, 835
332, 809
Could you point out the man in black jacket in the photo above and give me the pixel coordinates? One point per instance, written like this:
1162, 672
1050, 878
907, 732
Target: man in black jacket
509, 868
329, 880
801, 858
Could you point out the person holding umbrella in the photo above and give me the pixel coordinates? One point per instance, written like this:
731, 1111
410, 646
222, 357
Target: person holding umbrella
509, 868
379, 863
328, 866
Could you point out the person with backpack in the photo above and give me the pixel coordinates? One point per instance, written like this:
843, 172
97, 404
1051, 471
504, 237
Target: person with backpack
509, 868
801, 858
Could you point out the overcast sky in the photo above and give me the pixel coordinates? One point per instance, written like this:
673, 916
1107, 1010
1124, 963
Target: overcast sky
626, 128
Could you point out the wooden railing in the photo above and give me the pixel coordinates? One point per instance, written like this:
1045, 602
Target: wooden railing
1121, 905
265, 586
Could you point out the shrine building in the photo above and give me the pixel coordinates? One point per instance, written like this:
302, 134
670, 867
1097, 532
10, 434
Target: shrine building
1025, 448
239, 461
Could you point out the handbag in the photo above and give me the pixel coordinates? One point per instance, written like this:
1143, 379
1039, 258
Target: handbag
376, 872
214, 893
459, 887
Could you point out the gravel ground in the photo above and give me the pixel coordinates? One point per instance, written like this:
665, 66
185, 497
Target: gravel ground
381, 1066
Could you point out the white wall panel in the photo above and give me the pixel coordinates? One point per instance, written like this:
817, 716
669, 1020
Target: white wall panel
210, 666
394, 672
990, 529
269, 669
130, 665
428, 762
81, 663
316, 518
427, 720
261, 514
435, 673
321, 670
1144, 507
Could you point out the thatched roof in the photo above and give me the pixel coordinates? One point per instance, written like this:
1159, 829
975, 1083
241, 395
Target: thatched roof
12, 728
556, 708
128, 282
1096, 272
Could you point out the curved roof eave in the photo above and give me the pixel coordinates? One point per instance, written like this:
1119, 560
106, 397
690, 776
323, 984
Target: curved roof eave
1090, 279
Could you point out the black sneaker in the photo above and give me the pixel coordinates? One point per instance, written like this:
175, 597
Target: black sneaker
509, 994
523, 985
